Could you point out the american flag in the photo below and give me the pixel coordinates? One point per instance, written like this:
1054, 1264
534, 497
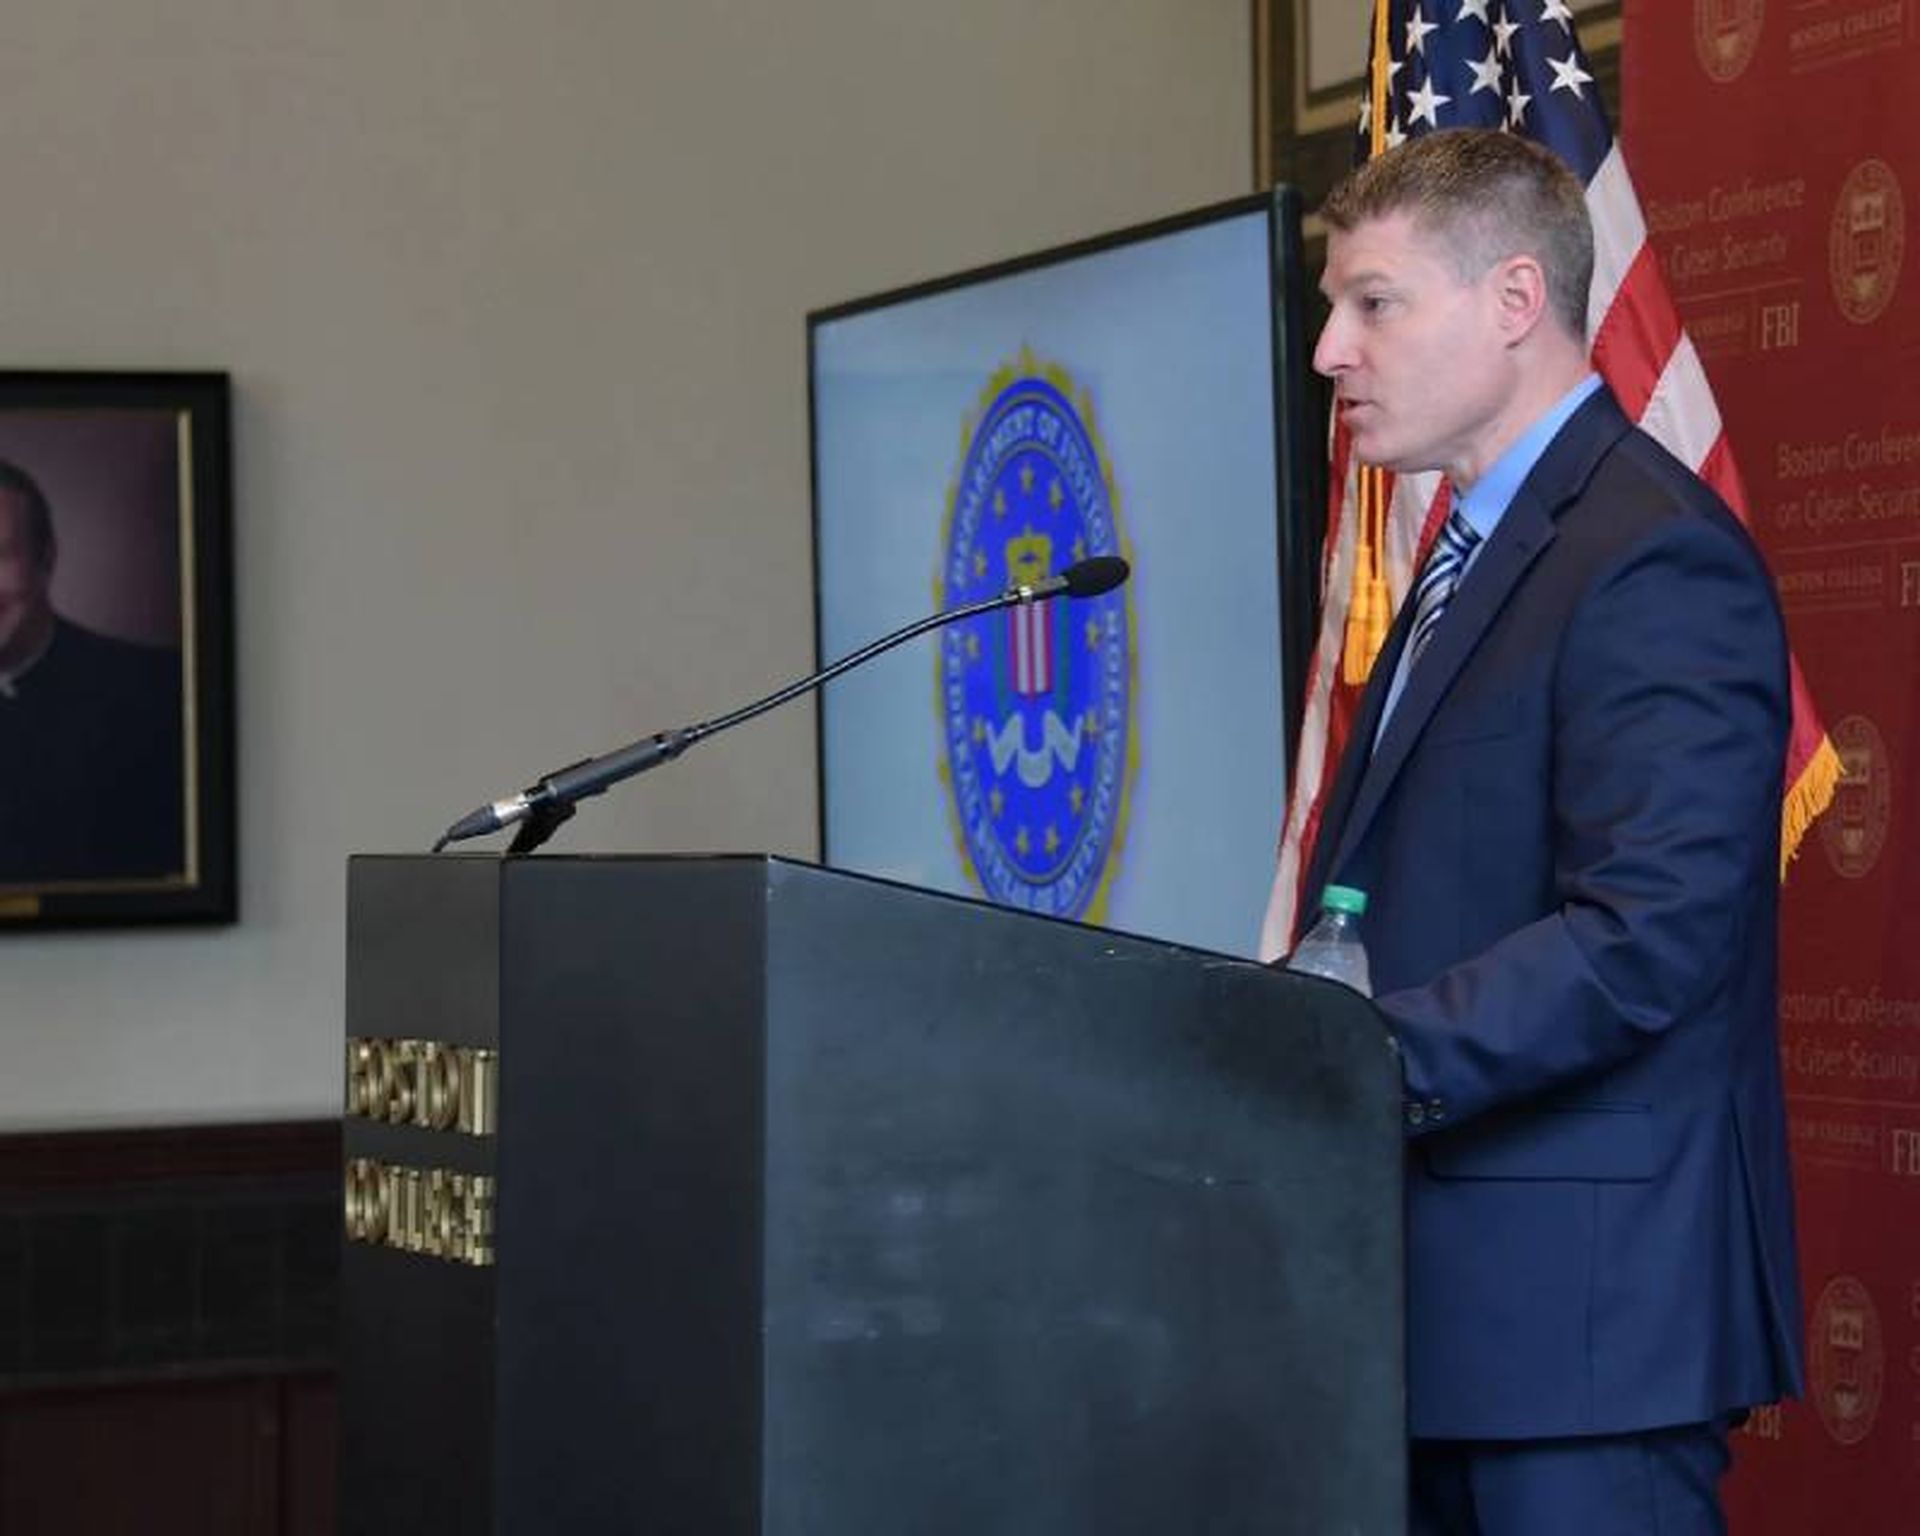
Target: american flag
1517, 65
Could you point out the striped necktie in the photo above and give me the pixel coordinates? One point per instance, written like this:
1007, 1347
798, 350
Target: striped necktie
1438, 578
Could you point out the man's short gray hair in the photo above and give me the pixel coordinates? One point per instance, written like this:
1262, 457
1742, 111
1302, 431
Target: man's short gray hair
1486, 195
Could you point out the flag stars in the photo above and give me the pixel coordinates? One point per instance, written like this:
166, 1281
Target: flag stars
1517, 101
1477, 9
1425, 103
1486, 73
1395, 136
1417, 29
1503, 31
1568, 75
1556, 10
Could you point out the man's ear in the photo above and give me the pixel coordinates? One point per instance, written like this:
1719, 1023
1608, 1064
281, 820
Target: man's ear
1520, 295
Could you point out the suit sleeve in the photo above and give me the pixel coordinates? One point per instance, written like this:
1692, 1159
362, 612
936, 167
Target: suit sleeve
1670, 721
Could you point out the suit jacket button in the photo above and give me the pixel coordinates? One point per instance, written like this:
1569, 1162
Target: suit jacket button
1416, 1113
1436, 1110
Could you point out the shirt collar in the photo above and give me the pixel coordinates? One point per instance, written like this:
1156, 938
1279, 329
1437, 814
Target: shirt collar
1487, 501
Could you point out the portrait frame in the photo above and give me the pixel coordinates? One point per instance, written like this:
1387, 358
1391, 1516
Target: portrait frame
117, 773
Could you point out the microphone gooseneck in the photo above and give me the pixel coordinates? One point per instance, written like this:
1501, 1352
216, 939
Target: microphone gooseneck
542, 807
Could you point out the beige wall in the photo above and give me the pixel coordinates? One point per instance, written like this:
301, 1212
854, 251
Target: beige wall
513, 299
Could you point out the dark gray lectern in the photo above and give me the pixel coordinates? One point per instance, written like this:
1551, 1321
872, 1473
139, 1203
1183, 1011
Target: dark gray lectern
732, 1195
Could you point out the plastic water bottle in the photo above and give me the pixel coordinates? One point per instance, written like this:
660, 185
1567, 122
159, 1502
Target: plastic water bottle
1332, 947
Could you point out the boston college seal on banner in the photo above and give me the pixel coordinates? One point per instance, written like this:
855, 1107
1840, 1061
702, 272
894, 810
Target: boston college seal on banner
1854, 830
1725, 34
1866, 240
1847, 1360
1036, 703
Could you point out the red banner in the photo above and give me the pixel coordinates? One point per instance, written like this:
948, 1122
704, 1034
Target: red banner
1777, 152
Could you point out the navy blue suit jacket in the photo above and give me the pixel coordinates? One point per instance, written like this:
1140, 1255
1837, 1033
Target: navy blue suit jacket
1569, 832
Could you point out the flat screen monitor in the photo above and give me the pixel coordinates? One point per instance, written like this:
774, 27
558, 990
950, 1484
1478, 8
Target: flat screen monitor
1118, 760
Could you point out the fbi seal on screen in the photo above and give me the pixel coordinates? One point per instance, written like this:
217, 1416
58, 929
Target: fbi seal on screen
1037, 703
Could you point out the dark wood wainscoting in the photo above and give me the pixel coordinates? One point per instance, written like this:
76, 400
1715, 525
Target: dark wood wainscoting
167, 1331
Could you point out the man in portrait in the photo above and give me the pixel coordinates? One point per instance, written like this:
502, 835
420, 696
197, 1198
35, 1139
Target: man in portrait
92, 781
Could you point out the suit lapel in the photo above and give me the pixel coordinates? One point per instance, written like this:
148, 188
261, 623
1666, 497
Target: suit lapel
1524, 531
1522, 534
1353, 761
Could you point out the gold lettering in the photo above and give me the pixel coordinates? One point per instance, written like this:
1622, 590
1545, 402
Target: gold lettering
435, 1228
427, 1084
414, 1223
380, 1078
480, 1093
437, 1102
477, 1217
1779, 325
430, 1211
359, 1066
403, 1054
366, 1197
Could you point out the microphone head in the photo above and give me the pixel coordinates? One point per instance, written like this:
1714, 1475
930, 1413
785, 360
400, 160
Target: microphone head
1089, 578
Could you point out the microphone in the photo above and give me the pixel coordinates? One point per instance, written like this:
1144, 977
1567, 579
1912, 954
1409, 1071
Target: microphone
539, 809
1088, 578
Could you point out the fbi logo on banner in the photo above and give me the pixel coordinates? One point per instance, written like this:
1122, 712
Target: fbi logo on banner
1037, 702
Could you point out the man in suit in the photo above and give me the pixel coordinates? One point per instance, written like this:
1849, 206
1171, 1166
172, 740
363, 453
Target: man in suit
91, 730
1563, 796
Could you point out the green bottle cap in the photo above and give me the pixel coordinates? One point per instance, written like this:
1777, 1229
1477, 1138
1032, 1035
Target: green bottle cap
1343, 898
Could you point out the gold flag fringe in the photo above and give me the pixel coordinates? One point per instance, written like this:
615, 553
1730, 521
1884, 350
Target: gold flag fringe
1810, 794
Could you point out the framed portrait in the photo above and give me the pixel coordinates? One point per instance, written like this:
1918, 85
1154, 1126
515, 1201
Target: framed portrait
116, 649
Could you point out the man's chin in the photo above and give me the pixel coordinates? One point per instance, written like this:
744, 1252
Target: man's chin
21, 640
1395, 460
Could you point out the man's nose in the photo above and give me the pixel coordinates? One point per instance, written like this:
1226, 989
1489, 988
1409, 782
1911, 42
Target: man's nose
1331, 352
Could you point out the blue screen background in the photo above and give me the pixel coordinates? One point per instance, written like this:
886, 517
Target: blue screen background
1170, 339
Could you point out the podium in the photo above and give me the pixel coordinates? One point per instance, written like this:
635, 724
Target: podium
729, 1195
